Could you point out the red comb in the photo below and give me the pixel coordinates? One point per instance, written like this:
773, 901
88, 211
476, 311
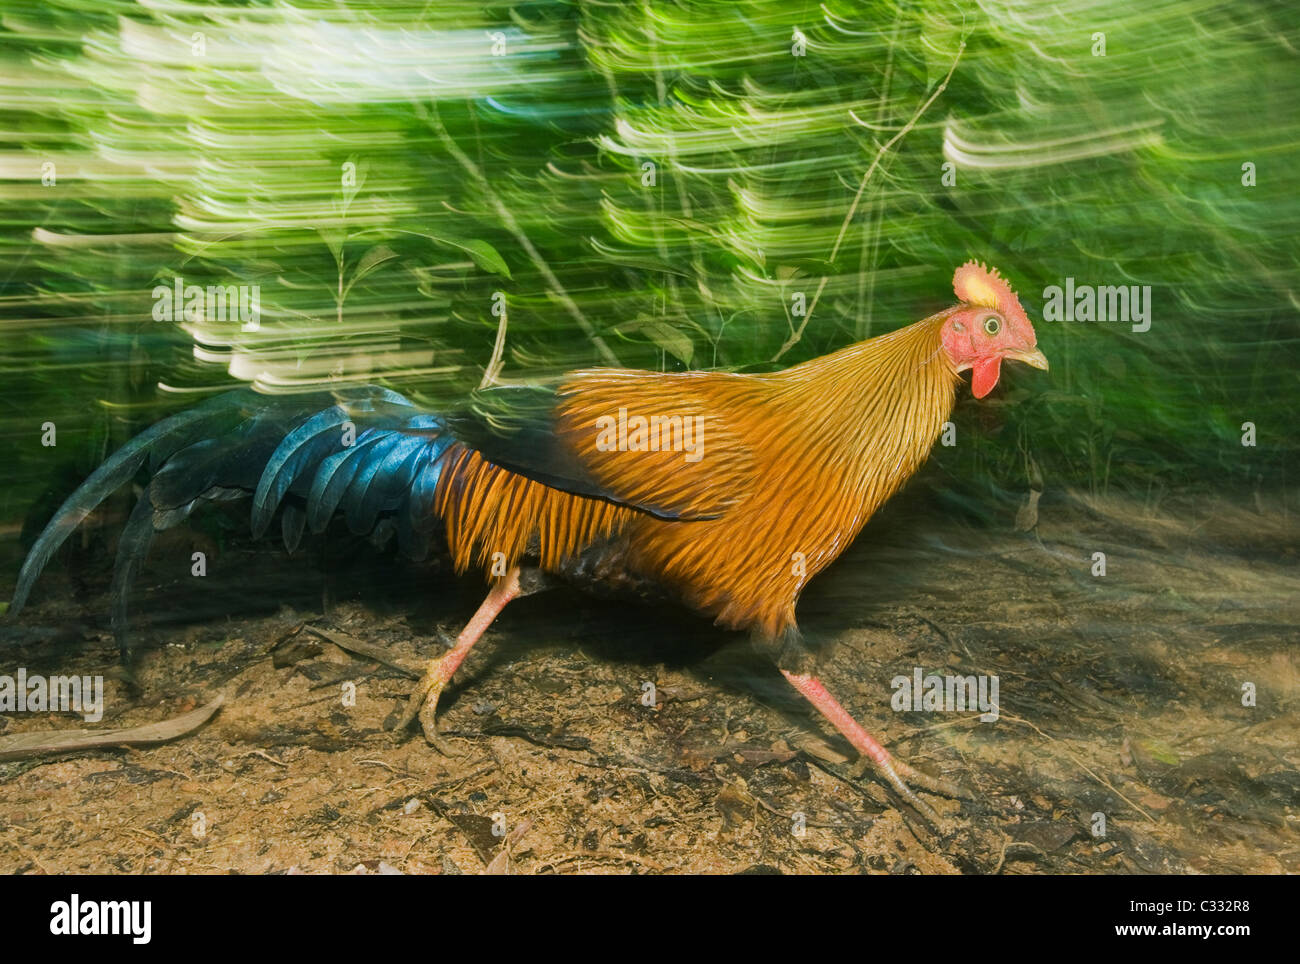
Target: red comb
977, 285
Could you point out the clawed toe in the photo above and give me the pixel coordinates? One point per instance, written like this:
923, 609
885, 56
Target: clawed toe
423, 705
939, 785
900, 775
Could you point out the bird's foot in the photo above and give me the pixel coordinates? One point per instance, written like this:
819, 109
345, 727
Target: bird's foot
423, 703
896, 772
945, 788
901, 776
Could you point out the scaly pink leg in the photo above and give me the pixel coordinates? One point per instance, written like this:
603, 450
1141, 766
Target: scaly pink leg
424, 701
815, 693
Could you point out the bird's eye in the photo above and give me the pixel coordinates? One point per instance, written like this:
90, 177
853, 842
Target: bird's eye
992, 325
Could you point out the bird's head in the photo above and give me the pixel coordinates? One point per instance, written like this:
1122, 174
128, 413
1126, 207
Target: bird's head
988, 326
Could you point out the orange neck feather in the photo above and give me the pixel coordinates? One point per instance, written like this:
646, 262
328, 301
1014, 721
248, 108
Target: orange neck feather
833, 438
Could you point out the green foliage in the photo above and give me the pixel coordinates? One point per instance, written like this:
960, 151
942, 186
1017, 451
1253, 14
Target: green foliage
650, 184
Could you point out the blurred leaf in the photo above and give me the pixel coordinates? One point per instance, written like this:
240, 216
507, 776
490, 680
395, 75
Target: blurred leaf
484, 255
672, 340
372, 260
334, 236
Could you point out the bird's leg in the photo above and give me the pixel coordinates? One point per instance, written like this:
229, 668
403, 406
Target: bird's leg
898, 773
424, 700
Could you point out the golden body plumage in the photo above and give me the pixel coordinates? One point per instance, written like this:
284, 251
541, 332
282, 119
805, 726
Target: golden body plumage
792, 465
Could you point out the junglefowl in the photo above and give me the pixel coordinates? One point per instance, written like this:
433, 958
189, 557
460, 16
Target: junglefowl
727, 492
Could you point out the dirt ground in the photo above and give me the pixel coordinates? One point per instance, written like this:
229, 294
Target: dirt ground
1121, 697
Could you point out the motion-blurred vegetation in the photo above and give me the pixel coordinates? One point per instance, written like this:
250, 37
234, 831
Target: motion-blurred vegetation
655, 184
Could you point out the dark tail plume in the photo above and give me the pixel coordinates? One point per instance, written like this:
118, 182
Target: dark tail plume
366, 452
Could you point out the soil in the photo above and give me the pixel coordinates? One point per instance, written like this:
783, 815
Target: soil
593, 736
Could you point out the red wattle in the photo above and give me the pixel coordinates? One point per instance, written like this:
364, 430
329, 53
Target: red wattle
984, 375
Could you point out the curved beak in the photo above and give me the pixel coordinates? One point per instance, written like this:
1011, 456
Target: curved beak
1035, 358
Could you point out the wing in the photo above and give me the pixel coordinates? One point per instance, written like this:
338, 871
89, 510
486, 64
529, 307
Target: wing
672, 445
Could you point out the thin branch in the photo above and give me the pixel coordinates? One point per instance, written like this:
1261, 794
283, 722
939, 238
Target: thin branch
853, 208
494, 364
513, 226
871, 236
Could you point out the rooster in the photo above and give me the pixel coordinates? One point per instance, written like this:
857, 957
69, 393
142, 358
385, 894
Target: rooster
726, 492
